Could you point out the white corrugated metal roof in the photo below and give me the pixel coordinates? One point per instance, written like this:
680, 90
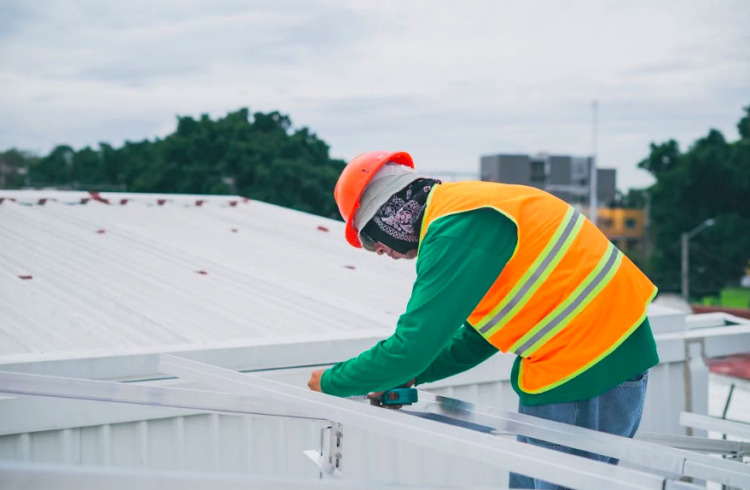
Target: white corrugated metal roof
147, 276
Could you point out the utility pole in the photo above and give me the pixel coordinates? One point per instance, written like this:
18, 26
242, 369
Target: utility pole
686, 256
685, 286
593, 204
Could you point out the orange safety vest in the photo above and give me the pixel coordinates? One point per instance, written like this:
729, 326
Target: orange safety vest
566, 298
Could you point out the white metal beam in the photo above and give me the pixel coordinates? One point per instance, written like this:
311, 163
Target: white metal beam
713, 320
700, 444
527, 459
715, 424
324, 349
638, 452
158, 396
256, 355
108, 391
24, 414
668, 460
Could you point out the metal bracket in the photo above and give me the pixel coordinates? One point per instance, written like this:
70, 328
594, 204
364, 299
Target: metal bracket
328, 458
335, 449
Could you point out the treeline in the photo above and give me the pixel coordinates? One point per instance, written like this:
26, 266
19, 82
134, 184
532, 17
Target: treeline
711, 180
260, 157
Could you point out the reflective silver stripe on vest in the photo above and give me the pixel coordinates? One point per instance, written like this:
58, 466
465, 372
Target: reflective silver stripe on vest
560, 317
535, 275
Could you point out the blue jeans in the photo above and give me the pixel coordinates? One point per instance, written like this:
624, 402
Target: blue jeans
617, 411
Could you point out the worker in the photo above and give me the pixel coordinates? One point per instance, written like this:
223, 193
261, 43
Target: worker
506, 268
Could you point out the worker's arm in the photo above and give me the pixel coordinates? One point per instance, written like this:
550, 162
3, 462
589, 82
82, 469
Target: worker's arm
466, 349
460, 258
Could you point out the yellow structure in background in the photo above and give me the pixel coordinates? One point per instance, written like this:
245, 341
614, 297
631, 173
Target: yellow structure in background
626, 228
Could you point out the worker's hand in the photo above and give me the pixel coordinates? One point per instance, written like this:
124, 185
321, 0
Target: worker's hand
314, 383
376, 398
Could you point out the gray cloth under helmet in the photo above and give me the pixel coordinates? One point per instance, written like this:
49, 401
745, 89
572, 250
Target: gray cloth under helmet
389, 180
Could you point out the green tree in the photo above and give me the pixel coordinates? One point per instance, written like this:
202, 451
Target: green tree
260, 156
56, 169
710, 180
14, 166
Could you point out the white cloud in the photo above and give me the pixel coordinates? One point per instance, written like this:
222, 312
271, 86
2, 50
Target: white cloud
447, 81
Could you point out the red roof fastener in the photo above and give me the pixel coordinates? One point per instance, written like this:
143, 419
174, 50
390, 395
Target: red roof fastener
25, 277
322, 228
203, 273
350, 267
97, 197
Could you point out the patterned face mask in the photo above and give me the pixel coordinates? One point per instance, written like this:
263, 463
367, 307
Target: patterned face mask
397, 223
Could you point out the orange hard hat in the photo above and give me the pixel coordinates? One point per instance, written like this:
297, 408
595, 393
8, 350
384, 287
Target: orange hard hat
353, 181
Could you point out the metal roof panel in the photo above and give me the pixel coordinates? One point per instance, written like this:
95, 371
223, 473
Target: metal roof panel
93, 276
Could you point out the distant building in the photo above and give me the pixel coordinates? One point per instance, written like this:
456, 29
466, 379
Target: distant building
567, 177
626, 228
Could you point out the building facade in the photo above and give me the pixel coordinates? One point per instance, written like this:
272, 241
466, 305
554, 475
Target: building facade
567, 177
626, 228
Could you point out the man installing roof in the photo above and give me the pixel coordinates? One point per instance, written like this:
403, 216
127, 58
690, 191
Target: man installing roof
504, 268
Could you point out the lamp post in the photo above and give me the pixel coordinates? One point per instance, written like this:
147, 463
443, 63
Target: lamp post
685, 255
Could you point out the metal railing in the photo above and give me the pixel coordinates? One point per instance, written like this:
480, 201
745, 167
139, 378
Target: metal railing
455, 427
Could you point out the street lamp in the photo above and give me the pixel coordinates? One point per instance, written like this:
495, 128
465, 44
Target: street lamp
685, 255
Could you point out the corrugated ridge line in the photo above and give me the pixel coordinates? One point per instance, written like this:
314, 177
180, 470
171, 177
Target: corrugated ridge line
53, 266
61, 293
296, 289
272, 291
87, 228
140, 267
394, 278
14, 326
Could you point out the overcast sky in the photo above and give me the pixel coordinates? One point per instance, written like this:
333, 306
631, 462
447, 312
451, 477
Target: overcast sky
446, 81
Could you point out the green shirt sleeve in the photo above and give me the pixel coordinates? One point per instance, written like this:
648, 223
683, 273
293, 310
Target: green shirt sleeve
459, 258
465, 350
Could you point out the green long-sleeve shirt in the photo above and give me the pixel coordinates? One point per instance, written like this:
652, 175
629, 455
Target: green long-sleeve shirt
459, 258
